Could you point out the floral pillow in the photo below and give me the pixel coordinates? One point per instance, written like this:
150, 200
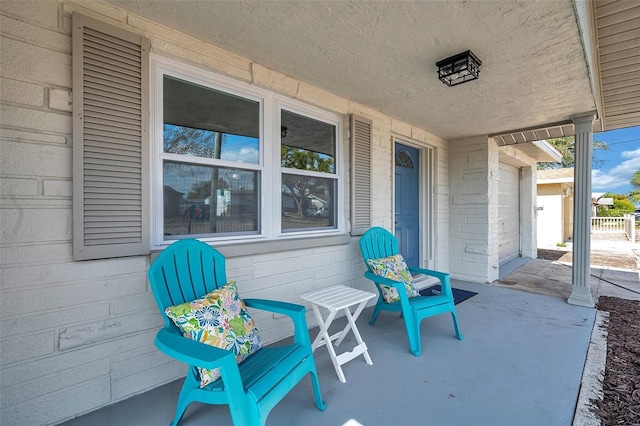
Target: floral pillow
219, 319
394, 268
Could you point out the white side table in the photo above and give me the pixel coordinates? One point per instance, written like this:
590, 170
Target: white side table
334, 299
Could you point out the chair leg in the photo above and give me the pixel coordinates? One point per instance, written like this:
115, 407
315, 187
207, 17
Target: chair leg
183, 399
413, 333
454, 315
376, 311
320, 404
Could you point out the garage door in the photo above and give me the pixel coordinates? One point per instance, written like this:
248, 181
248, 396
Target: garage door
509, 213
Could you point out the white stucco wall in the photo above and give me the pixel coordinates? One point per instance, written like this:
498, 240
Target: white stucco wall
76, 336
550, 221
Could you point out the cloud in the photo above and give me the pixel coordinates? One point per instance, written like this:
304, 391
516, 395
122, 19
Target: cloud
617, 179
242, 155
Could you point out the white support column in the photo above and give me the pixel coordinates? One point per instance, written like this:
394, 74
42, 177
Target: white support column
581, 278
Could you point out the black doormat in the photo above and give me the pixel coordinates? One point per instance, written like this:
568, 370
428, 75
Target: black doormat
458, 294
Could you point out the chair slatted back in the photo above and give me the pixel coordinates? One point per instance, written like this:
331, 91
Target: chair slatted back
184, 271
378, 242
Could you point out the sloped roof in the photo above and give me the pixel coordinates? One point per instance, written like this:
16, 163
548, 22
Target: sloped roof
555, 175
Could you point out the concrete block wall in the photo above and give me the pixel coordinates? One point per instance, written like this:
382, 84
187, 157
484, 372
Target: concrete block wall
76, 336
474, 199
470, 213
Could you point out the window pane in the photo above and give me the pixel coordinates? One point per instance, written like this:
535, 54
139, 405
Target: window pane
307, 144
205, 200
203, 122
403, 159
307, 202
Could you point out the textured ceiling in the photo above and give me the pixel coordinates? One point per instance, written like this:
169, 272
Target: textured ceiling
382, 54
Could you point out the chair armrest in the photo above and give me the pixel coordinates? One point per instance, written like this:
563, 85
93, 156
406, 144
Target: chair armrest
294, 311
444, 277
440, 275
398, 285
192, 352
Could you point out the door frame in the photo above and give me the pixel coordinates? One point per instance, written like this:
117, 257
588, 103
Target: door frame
426, 202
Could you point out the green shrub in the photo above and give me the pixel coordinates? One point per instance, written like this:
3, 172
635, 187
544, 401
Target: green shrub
620, 208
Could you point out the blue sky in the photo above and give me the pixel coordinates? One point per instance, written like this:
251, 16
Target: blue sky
619, 162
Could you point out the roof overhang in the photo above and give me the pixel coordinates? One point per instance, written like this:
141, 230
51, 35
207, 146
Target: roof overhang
532, 143
611, 36
554, 180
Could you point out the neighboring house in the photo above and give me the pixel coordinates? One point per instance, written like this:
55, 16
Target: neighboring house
599, 201
554, 206
123, 122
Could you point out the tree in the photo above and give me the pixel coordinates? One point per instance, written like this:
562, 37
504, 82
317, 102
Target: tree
566, 148
620, 208
191, 141
301, 187
634, 195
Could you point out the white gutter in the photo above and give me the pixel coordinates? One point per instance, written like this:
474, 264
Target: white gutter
549, 150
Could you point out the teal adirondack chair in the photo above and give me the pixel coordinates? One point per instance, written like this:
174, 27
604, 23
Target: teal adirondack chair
189, 269
379, 243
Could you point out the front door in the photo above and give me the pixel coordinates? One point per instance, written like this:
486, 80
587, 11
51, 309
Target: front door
407, 203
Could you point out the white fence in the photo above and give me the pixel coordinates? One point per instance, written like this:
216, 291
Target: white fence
607, 224
626, 225
630, 227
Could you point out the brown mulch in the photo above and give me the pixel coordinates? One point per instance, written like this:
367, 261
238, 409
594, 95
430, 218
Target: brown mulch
621, 384
617, 260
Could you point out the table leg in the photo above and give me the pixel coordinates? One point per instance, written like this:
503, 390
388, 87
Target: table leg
323, 338
352, 325
347, 327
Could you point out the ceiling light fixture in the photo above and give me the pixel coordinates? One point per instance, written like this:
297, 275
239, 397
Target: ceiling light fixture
459, 68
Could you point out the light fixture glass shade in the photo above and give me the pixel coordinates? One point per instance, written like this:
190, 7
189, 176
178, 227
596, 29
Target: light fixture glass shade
459, 68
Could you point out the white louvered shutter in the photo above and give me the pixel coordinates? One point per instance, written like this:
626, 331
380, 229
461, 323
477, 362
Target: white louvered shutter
361, 131
110, 141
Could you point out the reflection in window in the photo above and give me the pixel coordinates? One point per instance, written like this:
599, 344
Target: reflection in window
200, 200
307, 202
216, 160
202, 122
308, 153
403, 159
307, 144
209, 125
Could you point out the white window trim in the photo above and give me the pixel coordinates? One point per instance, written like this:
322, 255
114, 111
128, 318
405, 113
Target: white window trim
268, 164
281, 102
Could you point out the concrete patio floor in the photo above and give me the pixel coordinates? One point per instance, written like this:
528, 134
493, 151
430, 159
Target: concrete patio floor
520, 363
553, 278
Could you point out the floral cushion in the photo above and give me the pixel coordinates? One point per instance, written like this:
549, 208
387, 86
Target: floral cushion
394, 268
219, 319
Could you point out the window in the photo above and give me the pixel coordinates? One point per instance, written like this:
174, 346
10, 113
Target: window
210, 161
236, 163
403, 159
308, 161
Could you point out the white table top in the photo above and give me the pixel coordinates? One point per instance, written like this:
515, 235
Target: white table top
337, 297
